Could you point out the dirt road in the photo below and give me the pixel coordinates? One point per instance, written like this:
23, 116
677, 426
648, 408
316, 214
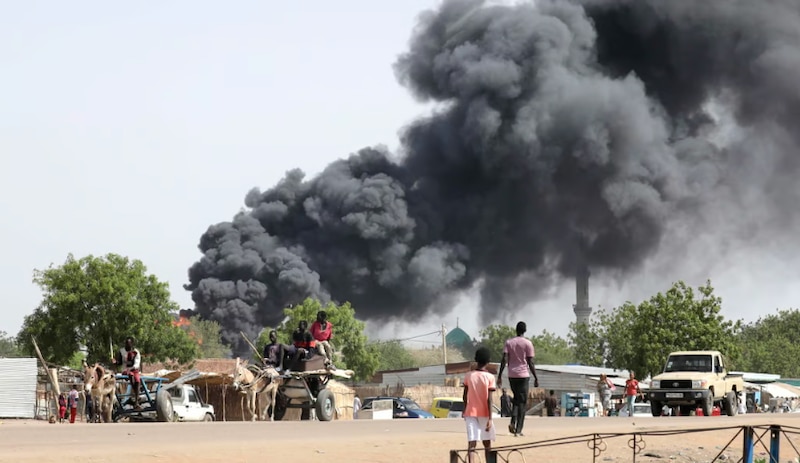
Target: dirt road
413, 441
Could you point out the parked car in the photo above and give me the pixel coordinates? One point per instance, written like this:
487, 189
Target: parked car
403, 408
639, 410
458, 408
441, 406
187, 404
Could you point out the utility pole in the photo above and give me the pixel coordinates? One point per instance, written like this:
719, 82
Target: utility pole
444, 344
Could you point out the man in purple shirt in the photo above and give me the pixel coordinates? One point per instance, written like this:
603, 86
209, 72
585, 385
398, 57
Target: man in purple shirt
518, 353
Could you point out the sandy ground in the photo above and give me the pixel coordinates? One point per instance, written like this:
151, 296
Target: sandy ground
413, 441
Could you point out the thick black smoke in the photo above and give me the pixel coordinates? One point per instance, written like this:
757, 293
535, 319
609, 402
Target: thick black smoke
569, 133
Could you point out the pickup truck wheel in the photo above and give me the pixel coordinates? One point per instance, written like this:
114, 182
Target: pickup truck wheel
208, 418
708, 404
655, 408
731, 404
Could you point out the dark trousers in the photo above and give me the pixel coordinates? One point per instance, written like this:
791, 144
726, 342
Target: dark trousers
519, 387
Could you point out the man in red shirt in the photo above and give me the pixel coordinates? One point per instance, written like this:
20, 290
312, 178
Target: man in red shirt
518, 352
322, 331
479, 385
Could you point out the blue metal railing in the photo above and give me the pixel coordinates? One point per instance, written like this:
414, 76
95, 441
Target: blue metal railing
753, 437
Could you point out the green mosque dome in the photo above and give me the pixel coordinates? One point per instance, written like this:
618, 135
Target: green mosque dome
458, 337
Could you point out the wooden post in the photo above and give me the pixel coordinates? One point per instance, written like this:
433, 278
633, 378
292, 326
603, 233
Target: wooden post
53, 381
444, 346
224, 386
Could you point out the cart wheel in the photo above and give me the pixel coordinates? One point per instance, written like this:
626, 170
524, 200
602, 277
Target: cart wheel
326, 405
164, 411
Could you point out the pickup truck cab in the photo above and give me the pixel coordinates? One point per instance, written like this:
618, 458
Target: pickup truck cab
693, 379
188, 406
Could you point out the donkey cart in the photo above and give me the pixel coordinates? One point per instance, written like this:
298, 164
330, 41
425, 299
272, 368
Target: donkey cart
307, 390
155, 402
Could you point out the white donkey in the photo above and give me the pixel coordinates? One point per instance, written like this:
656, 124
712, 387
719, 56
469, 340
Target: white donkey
265, 384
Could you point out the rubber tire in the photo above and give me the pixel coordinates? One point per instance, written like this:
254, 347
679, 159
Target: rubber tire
164, 409
730, 404
655, 408
208, 418
708, 404
325, 405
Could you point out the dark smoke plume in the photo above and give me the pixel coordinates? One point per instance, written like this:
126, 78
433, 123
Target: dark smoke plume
568, 133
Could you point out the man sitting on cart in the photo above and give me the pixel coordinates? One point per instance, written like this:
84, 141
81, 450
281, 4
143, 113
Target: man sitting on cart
274, 352
303, 345
322, 330
130, 359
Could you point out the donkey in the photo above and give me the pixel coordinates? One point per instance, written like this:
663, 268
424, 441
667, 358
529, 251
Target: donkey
102, 387
264, 384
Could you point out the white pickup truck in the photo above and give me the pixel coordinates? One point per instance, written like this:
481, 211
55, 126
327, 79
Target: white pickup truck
187, 404
696, 379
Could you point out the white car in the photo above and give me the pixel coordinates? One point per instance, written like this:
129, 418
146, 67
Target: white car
458, 407
639, 410
188, 406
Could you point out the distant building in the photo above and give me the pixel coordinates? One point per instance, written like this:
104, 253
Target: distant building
458, 339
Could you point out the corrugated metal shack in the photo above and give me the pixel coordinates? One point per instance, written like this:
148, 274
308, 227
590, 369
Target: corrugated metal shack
425, 383
18, 377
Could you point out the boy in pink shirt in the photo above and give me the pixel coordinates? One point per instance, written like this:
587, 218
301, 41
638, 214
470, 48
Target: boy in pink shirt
479, 385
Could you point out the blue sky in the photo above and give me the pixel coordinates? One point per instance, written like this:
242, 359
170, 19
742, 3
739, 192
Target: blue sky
130, 129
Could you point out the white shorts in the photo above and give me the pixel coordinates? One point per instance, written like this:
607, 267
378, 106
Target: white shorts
476, 429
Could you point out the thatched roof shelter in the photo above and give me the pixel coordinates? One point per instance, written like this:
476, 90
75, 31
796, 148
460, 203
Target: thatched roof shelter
212, 371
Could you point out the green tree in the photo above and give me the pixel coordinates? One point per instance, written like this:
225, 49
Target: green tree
587, 342
772, 344
206, 333
494, 337
348, 334
391, 355
97, 301
8, 346
552, 349
641, 337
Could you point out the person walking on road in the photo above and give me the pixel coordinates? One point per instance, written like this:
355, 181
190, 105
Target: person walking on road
631, 391
505, 404
479, 385
518, 353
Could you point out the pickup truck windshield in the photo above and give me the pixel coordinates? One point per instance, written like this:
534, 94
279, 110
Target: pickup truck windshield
700, 363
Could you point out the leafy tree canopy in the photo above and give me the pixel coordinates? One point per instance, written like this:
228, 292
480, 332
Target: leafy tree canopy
772, 344
392, 355
587, 342
206, 333
640, 337
348, 334
552, 349
494, 337
8, 346
97, 301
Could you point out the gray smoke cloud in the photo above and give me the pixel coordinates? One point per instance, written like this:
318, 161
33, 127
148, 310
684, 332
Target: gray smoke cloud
569, 133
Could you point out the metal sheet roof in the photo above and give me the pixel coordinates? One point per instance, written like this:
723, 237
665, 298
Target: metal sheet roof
584, 370
757, 377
